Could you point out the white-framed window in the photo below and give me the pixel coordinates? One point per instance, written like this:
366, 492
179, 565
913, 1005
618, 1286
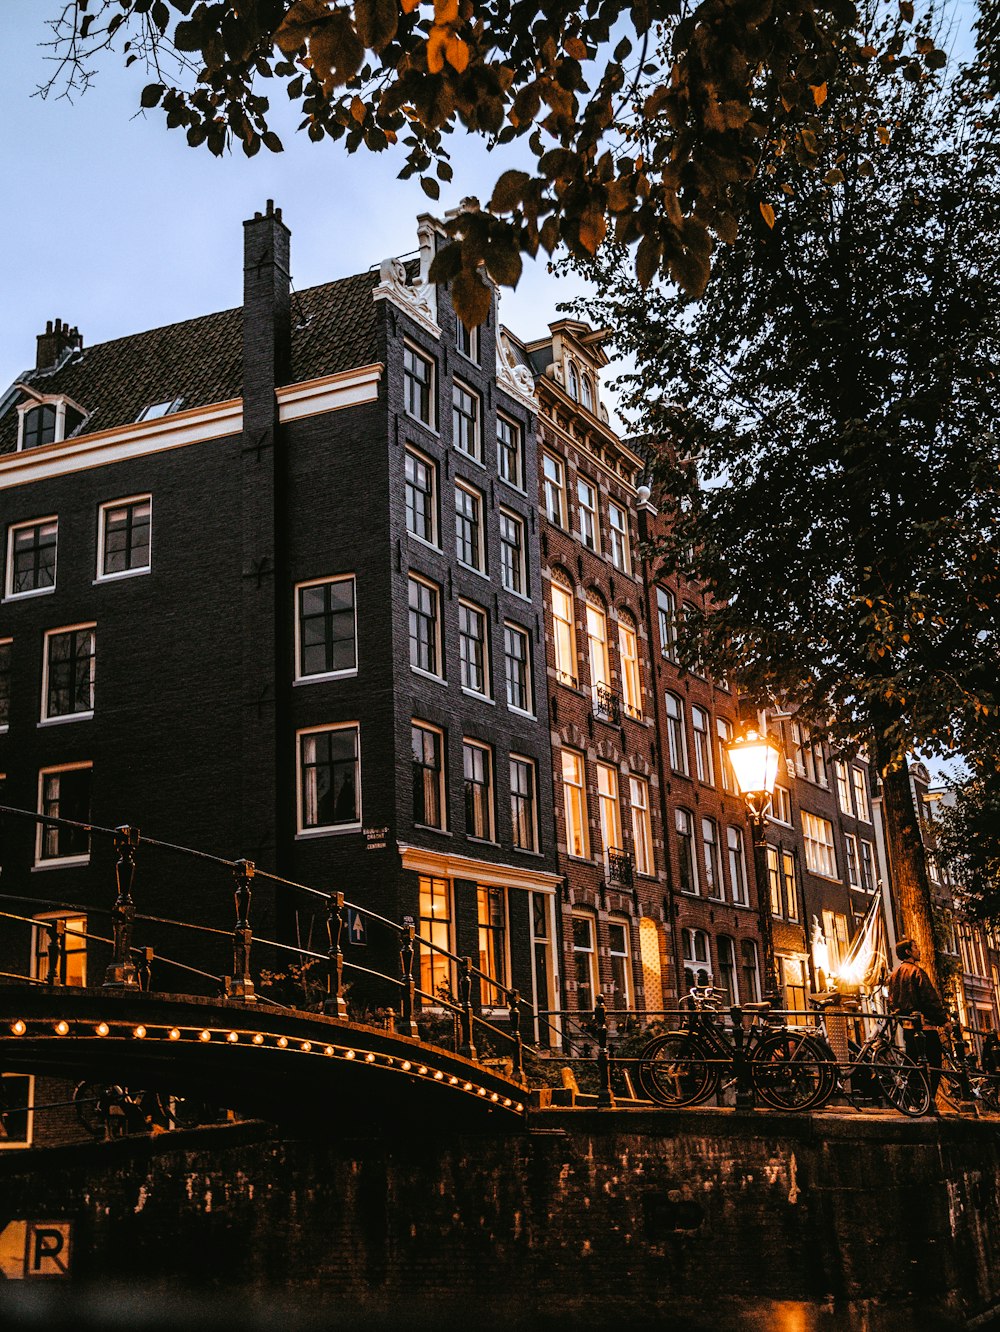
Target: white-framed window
17, 1096
618, 537
425, 626
421, 496
860, 784
690, 613
620, 957
843, 787
418, 385
628, 648
608, 807
329, 778
68, 673
774, 880
44, 950
513, 562
326, 628
467, 341
586, 392
517, 668
47, 422
853, 860
155, 410
510, 451
564, 632
124, 537
724, 731
597, 644
642, 831
817, 837
466, 415
584, 961
6, 652
31, 557
470, 547
700, 724
575, 801
687, 861
666, 617
711, 861
837, 937
573, 381
477, 770
781, 806
491, 904
587, 513
676, 737
429, 802
790, 882
474, 648
869, 878
523, 803
554, 489
737, 865
544, 974
436, 926
697, 958
64, 793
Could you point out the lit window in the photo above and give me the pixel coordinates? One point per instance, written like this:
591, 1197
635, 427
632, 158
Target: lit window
564, 633
676, 738
71, 952
31, 557
425, 633
607, 802
64, 793
421, 497
790, 882
666, 614
418, 385
586, 496
477, 765
597, 642
817, 836
513, 570
555, 494
427, 743
124, 537
724, 729
469, 545
618, 527
467, 340
577, 841
517, 668
774, 880
621, 964
465, 420
781, 806
737, 865
686, 863
5, 653
473, 648
711, 863
642, 832
68, 688
435, 926
326, 636
628, 647
329, 778
702, 744
584, 962
492, 912
523, 811
510, 452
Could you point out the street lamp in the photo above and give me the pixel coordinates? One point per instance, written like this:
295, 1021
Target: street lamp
754, 759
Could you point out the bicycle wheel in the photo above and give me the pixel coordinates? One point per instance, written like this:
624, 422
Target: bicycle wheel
677, 1070
793, 1071
901, 1081
90, 1100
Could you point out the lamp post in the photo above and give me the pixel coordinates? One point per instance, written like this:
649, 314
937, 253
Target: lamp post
754, 758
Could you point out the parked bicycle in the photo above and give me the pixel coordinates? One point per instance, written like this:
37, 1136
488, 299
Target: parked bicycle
878, 1066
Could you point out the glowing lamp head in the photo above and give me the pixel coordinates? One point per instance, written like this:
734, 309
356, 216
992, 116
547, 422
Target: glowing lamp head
62, 1028
18, 1027
755, 759
102, 1029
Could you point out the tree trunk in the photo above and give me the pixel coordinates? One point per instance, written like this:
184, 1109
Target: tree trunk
908, 880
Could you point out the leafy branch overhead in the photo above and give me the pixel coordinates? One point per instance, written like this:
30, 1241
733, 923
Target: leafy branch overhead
647, 121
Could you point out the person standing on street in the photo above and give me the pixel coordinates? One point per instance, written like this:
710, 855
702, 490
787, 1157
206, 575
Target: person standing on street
911, 990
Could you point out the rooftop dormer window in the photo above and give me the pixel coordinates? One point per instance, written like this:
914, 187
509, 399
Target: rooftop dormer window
47, 421
158, 409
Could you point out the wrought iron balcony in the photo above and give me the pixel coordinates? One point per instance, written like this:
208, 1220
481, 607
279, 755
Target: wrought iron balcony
619, 866
607, 704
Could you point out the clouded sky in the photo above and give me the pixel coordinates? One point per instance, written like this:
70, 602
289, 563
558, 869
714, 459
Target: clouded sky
113, 223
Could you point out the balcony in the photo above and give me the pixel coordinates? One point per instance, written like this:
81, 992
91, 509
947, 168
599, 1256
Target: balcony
607, 705
619, 866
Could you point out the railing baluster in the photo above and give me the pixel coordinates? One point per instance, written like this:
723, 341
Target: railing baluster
604, 1094
407, 1025
121, 973
335, 1005
240, 984
514, 999
467, 1046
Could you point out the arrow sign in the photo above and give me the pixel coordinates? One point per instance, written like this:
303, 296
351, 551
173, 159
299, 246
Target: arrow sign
356, 930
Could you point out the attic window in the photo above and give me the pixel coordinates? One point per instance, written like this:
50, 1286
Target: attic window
48, 422
158, 409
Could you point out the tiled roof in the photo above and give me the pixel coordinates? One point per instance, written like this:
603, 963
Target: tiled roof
334, 328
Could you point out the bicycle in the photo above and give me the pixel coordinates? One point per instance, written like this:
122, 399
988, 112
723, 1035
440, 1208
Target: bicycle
878, 1064
788, 1067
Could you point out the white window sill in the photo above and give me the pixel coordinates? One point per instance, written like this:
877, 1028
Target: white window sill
581, 860
483, 698
430, 827
520, 490
326, 675
523, 851
427, 675
521, 596
69, 717
520, 712
482, 841
471, 568
332, 831
63, 862
34, 592
428, 545
469, 457
124, 573
426, 424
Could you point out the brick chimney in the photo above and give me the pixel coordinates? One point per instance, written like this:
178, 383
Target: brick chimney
267, 321
57, 338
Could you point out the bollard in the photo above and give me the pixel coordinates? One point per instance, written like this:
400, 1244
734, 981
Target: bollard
121, 973
745, 1099
466, 1046
514, 999
241, 984
407, 1025
605, 1098
335, 1005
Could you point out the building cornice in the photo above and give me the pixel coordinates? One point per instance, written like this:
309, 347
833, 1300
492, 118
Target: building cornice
449, 865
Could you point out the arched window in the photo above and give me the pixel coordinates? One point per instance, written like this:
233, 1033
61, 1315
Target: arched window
587, 392
573, 381
563, 629
628, 646
597, 643
697, 958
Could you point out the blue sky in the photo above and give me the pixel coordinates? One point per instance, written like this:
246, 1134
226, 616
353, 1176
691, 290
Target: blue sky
114, 224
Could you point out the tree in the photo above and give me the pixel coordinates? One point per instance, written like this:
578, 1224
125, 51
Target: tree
648, 115
969, 842
828, 464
